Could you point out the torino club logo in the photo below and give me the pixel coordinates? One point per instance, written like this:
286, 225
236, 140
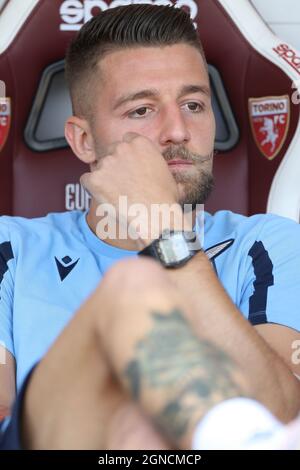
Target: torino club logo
75, 13
269, 118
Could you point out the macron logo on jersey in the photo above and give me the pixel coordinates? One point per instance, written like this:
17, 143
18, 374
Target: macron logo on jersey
64, 267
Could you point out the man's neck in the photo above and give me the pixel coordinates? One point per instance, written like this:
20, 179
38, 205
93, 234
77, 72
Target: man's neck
94, 222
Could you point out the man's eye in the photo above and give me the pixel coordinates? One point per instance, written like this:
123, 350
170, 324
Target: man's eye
140, 112
195, 107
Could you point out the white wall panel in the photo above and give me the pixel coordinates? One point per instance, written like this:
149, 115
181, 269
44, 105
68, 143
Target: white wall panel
278, 11
283, 17
288, 32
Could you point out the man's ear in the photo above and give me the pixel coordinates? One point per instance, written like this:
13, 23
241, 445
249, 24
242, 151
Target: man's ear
79, 137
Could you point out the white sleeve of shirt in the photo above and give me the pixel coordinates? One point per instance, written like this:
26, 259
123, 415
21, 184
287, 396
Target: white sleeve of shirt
242, 423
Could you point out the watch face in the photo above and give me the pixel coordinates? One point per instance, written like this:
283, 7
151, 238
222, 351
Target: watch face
174, 249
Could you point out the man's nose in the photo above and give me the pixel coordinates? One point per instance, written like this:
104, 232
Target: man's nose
174, 129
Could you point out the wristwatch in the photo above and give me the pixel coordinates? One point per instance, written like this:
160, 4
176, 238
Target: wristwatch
173, 248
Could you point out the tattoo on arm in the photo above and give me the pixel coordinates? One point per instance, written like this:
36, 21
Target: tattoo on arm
191, 374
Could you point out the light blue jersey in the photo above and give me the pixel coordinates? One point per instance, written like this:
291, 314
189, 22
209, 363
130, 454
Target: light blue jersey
50, 265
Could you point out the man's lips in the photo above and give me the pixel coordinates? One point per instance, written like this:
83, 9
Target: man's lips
179, 162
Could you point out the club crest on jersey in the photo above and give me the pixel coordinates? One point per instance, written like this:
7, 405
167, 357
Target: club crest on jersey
270, 119
5, 120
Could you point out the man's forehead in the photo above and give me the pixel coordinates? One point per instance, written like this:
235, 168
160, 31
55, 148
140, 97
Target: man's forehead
133, 70
152, 59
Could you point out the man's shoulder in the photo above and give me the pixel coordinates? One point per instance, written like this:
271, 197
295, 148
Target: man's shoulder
54, 222
230, 221
227, 224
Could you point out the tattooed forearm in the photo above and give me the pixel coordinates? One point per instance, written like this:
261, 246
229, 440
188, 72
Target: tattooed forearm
177, 376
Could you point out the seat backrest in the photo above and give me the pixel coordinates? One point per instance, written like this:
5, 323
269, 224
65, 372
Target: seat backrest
274, 182
252, 90
32, 182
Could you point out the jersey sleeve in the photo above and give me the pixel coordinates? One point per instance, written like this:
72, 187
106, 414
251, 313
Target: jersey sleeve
271, 288
7, 264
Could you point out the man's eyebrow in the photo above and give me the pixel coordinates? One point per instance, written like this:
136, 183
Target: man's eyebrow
152, 93
190, 89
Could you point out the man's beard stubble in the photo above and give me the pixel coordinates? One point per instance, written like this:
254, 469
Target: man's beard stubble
197, 187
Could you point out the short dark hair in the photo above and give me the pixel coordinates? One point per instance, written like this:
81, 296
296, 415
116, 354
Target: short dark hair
118, 28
